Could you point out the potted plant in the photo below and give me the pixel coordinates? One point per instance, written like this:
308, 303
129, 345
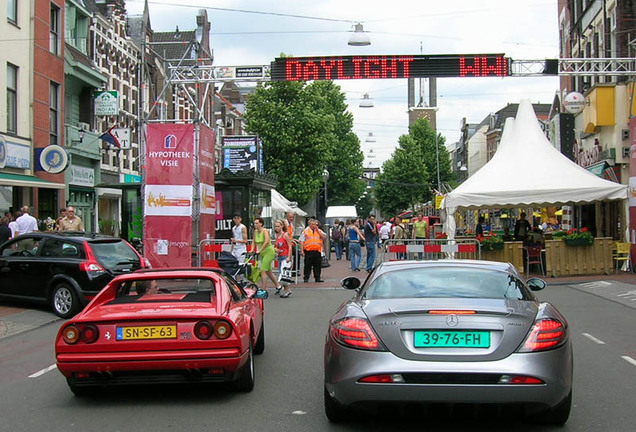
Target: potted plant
579, 237
491, 242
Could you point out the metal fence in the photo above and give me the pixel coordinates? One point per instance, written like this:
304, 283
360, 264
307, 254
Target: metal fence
430, 249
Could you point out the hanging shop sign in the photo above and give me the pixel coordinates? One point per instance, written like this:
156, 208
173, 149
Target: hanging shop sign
389, 66
574, 102
82, 176
106, 103
52, 159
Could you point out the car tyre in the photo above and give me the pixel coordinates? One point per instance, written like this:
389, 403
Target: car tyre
245, 381
81, 391
259, 348
64, 300
334, 411
556, 416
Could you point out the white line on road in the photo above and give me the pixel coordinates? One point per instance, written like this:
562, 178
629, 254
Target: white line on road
593, 339
628, 359
43, 371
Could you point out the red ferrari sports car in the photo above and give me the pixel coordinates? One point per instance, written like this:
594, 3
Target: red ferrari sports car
164, 326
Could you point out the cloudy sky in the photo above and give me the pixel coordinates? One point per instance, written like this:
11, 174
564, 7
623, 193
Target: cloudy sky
255, 32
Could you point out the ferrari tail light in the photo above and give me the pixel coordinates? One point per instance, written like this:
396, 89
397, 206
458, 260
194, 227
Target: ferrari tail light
88, 333
222, 330
71, 334
545, 334
355, 333
203, 330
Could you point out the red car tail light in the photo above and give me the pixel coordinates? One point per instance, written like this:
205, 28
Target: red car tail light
90, 333
382, 379
355, 333
91, 266
448, 312
203, 330
71, 334
222, 330
544, 335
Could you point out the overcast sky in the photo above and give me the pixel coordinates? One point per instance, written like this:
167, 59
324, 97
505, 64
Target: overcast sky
255, 32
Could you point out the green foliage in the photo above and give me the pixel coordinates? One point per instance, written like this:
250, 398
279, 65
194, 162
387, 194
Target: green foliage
424, 135
364, 206
492, 243
404, 179
305, 128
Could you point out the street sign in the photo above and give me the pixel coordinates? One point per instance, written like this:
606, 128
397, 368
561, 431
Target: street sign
242, 154
106, 103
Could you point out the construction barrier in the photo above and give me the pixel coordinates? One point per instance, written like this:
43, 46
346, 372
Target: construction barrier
430, 249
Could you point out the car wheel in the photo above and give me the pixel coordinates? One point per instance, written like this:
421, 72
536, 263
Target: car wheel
259, 348
81, 391
334, 411
556, 416
65, 302
245, 381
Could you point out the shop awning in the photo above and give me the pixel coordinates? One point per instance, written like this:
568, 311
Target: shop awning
7, 179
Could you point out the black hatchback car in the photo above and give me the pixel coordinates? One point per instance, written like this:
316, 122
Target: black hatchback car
65, 270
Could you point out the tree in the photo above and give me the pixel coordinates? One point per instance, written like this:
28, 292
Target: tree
424, 135
305, 128
404, 180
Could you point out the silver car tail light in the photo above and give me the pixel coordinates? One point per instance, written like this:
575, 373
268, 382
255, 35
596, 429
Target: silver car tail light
545, 334
355, 333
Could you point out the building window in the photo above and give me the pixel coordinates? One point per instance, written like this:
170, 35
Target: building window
54, 109
12, 99
12, 11
55, 30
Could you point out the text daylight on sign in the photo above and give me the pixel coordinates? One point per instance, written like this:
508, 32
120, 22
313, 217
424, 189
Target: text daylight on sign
389, 66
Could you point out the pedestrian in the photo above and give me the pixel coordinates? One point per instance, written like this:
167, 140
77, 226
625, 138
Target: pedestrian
239, 238
311, 249
371, 240
385, 231
289, 218
283, 248
479, 229
58, 227
26, 222
265, 251
420, 229
13, 224
5, 231
354, 244
337, 238
70, 222
400, 235
522, 228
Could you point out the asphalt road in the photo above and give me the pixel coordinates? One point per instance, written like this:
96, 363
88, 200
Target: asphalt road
288, 391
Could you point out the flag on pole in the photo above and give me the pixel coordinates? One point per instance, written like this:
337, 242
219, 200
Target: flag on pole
110, 138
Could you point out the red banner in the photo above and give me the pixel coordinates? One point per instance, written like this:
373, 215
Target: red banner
207, 218
168, 171
632, 184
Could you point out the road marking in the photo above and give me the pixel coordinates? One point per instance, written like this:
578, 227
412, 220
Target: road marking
627, 294
628, 359
593, 339
43, 371
596, 284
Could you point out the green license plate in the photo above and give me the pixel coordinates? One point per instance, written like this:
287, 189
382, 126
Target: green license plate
452, 339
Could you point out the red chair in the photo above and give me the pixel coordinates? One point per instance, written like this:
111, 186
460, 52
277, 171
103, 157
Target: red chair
533, 256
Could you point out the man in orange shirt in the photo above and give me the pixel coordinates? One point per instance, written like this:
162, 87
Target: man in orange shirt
311, 249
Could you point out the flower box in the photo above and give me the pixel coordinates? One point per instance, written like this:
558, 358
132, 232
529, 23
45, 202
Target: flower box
579, 241
492, 246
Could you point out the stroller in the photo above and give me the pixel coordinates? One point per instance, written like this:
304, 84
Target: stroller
239, 271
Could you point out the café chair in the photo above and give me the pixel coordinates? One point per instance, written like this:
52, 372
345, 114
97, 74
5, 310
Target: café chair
624, 255
533, 256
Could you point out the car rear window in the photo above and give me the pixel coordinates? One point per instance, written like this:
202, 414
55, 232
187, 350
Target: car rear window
114, 253
446, 282
165, 290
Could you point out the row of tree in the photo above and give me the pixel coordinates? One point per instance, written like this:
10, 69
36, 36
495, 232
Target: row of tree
306, 128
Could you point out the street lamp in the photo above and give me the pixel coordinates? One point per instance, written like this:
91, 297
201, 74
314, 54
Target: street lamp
366, 101
439, 183
325, 177
359, 36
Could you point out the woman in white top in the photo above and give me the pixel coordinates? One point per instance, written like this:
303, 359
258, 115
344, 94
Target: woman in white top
13, 225
239, 238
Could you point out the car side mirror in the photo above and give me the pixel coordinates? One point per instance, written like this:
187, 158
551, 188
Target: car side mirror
261, 294
536, 284
350, 283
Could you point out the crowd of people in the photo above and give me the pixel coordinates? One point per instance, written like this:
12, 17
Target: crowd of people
22, 222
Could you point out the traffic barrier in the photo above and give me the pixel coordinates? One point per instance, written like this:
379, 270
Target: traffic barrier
430, 249
209, 250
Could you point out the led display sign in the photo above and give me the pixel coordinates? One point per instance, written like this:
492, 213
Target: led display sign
389, 66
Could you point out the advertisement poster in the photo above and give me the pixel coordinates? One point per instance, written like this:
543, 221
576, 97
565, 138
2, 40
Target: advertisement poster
632, 183
207, 217
169, 171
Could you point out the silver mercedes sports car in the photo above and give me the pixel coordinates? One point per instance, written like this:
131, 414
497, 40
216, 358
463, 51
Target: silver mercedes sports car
448, 331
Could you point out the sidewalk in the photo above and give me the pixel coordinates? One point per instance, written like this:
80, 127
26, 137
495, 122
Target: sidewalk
341, 269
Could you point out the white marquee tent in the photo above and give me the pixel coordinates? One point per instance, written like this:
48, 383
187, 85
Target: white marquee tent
528, 170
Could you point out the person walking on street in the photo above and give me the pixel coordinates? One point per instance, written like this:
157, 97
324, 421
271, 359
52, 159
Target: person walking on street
400, 234
239, 238
13, 224
26, 223
5, 231
354, 244
58, 227
283, 248
71, 222
265, 251
371, 240
420, 229
311, 248
337, 235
